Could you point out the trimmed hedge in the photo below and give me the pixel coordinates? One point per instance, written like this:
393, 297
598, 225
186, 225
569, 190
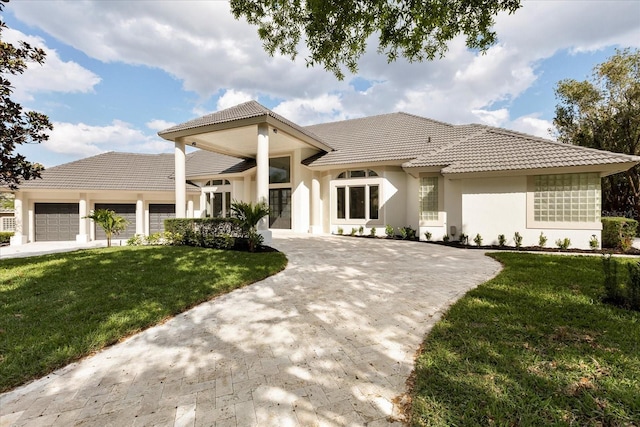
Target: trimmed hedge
5, 236
618, 232
219, 233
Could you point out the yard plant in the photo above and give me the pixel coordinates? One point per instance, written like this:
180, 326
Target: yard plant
533, 346
58, 308
112, 223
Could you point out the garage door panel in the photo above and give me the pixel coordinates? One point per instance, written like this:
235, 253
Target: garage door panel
158, 213
56, 221
125, 210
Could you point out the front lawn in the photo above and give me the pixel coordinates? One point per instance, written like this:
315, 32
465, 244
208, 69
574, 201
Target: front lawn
58, 308
533, 346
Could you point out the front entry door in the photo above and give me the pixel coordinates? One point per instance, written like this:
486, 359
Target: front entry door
280, 208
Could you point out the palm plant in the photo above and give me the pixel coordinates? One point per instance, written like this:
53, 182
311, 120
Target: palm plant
111, 223
248, 216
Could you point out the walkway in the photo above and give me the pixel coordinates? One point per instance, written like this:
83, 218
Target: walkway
329, 341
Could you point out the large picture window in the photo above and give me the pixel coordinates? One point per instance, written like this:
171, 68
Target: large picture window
428, 198
357, 202
567, 198
279, 170
218, 204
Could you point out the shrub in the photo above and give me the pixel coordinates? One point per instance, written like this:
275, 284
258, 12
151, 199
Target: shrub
517, 238
478, 240
361, 231
427, 235
612, 287
340, 231
618, 232
542, 240
502, 240
407, 233
206, 232
5, 236
593, 242
388, 231
446, 238
163, 238
372, 232
563, 243
633, 287
353, 231
464, 239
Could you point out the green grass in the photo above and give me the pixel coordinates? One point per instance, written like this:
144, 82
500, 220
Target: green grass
58, 308
534, 346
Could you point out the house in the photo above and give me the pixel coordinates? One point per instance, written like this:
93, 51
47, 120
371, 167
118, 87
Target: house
394, 169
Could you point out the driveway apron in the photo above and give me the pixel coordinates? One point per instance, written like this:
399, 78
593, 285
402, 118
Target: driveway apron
329, 341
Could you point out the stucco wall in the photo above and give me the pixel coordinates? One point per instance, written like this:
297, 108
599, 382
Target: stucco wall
493, 206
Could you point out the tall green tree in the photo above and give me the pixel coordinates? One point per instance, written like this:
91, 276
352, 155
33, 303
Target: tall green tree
336, 32
604, 112
16, 125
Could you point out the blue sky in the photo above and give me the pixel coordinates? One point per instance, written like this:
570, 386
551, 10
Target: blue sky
117, 72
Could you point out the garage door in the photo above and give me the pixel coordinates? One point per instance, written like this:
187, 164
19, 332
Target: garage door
158, 213
125, 210
56, 221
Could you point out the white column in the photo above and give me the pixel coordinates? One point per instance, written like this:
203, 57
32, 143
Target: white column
140, 219
262, 177
181, 179
18, 238
82, 236
190, 207
32, 222
316, 205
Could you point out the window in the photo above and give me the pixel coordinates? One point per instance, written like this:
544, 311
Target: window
341, 202
357, 201
360, 173
279, 170
428, 198
218, 204
567, 198
8, 223
217, 182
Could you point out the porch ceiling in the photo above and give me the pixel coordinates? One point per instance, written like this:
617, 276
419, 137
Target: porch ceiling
243, 141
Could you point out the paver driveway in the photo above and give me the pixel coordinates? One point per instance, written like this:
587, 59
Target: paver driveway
329, 341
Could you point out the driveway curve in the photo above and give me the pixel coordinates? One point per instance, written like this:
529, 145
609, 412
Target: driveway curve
328, 341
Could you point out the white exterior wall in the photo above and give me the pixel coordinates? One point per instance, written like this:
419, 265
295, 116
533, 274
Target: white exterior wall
394, 204
412, 213
493, 206
325, 196
28, 199
300, 194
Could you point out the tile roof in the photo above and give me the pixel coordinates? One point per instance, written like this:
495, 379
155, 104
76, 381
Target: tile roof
487, 149
395, 136
246, 110
203, 162
110, 171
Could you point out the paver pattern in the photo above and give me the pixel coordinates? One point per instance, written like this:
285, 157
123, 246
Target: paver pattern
330, 341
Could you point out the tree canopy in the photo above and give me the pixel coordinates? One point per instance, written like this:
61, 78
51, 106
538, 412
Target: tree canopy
18, 126
604, 112
336, 32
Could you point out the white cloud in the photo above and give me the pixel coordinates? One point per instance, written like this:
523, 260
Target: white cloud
201, 44
232, 97
81, 140
533, 126
55, 75
159, 125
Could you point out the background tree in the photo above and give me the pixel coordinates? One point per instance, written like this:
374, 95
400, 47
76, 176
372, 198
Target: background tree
18, 126
336, 31
111, 223
604, 113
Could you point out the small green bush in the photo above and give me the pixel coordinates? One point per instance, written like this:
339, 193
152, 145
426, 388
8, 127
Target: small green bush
563, 243
388, 231
427, 235
464, 239
446, 238
407, 233
502, 240
353, 231
5, 236
618, 232
360, 231
517, 238
478, 240
218, 233
372, 232
593, 242
340, 231
542, 240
